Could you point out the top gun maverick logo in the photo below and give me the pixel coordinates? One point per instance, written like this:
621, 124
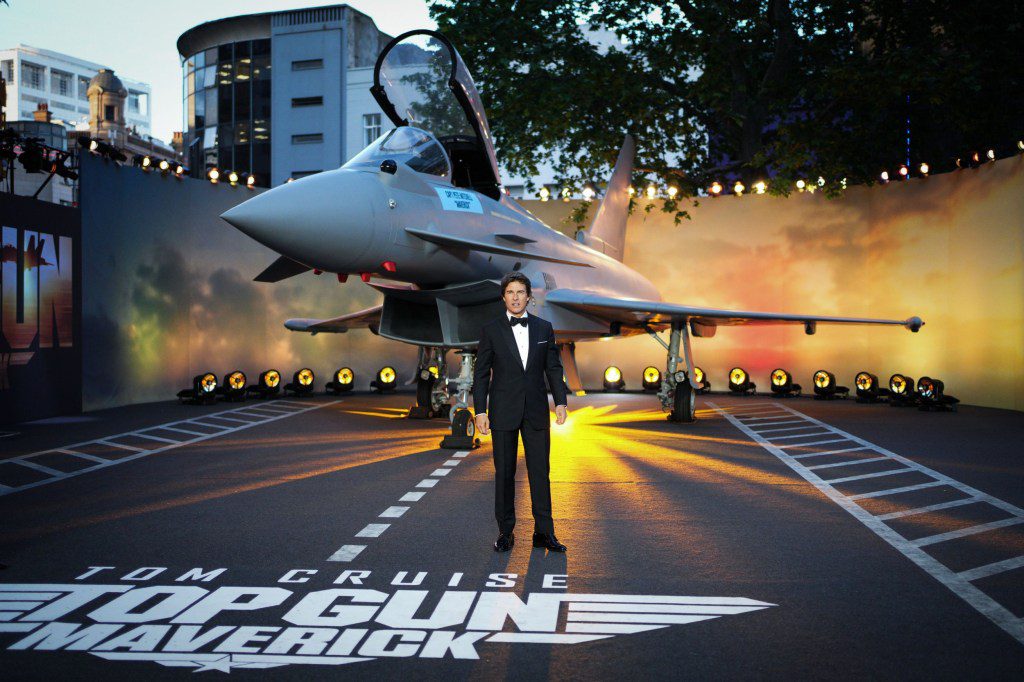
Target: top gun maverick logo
35, 296
361, 616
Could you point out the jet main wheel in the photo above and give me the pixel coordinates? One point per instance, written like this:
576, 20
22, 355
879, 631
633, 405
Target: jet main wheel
684, 406
463, 424
423, 389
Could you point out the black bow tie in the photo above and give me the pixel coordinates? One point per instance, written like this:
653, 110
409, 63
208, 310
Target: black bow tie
513, 321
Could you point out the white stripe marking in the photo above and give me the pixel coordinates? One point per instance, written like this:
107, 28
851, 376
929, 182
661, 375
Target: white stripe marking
929, 508
37, 467
461, 454
789, 428
993, 568
893, 491
393, 512
830, 452
451, 462
411, 497
876, 474
427, 483
983, 603
798, 435
347, 553
817, 442
102, 463
846, 464
965, 532
440, 472
157, 438
373, 530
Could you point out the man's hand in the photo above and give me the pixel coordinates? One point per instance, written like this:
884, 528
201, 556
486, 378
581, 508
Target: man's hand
560, 414
483, 424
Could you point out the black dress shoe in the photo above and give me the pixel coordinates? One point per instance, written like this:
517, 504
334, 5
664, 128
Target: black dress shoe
548, 541
504, 542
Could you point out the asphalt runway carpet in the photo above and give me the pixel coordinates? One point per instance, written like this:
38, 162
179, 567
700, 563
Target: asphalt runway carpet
330, 536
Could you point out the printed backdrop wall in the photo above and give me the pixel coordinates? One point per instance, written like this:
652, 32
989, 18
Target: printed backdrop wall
168, 288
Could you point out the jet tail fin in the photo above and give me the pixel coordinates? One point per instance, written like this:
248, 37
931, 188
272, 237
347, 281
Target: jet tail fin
607, 233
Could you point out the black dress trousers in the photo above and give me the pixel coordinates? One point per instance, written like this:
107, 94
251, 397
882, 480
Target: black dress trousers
537, 444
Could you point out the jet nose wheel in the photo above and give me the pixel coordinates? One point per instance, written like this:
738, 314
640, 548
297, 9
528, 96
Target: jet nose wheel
684, 403
463, 432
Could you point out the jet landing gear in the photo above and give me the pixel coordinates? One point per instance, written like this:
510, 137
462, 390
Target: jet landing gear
678, 392
463, 426
431, 385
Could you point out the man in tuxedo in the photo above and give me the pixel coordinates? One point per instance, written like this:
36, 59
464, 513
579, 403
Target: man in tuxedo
520, 350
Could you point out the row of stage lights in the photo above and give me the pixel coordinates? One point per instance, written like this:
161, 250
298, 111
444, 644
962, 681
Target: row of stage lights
928, 395
206, 389
973, 160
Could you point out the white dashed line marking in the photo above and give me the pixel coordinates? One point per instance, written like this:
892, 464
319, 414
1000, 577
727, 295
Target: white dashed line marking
440, 472
427, 483
373, 530
393, 512
347, 553
411, 497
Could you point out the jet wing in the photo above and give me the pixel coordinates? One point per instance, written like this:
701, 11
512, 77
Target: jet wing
455, 241
639, 313
369, 318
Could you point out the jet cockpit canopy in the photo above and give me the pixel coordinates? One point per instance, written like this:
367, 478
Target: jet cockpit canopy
420, 80
416, 148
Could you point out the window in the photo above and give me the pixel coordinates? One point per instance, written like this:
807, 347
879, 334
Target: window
307, 101
307, 64
109, 112
83, 87
7, 70
32, 75
308, 138
60, 82
138, 102
371, 128
302, 174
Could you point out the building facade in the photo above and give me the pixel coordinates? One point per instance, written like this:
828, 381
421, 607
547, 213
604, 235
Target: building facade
35, 76
276, 94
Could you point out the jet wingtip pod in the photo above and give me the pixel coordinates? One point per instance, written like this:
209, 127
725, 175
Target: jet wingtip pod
914, 323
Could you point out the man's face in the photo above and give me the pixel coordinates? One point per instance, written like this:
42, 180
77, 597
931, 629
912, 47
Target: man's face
515, 298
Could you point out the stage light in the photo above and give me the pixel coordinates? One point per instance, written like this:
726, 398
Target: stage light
213, 174
63, 171
924, 168
931, 395
290, 180
32, 157
204, 389
868, 390
782, 383
566, 193
885, 176
651, 191
632, 190
344, 380
800, 185
147, 163
760, 187
821, 181
545, 194
268, 385
672, 191
250, 182
652, 379
738, 188
613, 379
179, 170
739, 381
1020, 145
233, 178
901, 390
387, 379
716, 188
700, 380
825, 387
904, 172
165, 165
302, 382
588, 192
233, 387
991, 154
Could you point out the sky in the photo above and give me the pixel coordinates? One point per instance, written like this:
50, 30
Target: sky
137, 38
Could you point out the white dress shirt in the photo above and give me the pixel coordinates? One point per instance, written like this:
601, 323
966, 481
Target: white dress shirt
522, 335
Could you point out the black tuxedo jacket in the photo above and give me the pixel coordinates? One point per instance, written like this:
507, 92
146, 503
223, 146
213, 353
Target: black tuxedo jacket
516, 394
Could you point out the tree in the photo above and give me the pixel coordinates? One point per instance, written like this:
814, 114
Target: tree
731, 90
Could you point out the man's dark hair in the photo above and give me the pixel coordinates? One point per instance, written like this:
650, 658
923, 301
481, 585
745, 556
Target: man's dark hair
516, 277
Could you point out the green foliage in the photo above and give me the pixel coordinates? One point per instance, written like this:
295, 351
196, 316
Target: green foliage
725, 90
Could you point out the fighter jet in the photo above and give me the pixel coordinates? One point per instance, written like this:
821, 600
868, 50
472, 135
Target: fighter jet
33, 254
422, 212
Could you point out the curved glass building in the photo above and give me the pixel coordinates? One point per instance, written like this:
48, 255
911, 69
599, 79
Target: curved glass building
278, 94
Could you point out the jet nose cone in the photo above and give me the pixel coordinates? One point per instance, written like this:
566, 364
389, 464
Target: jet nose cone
305, 218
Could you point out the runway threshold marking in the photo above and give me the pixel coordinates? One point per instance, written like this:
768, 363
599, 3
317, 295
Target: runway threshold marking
347, 553
959, 582
193, 435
